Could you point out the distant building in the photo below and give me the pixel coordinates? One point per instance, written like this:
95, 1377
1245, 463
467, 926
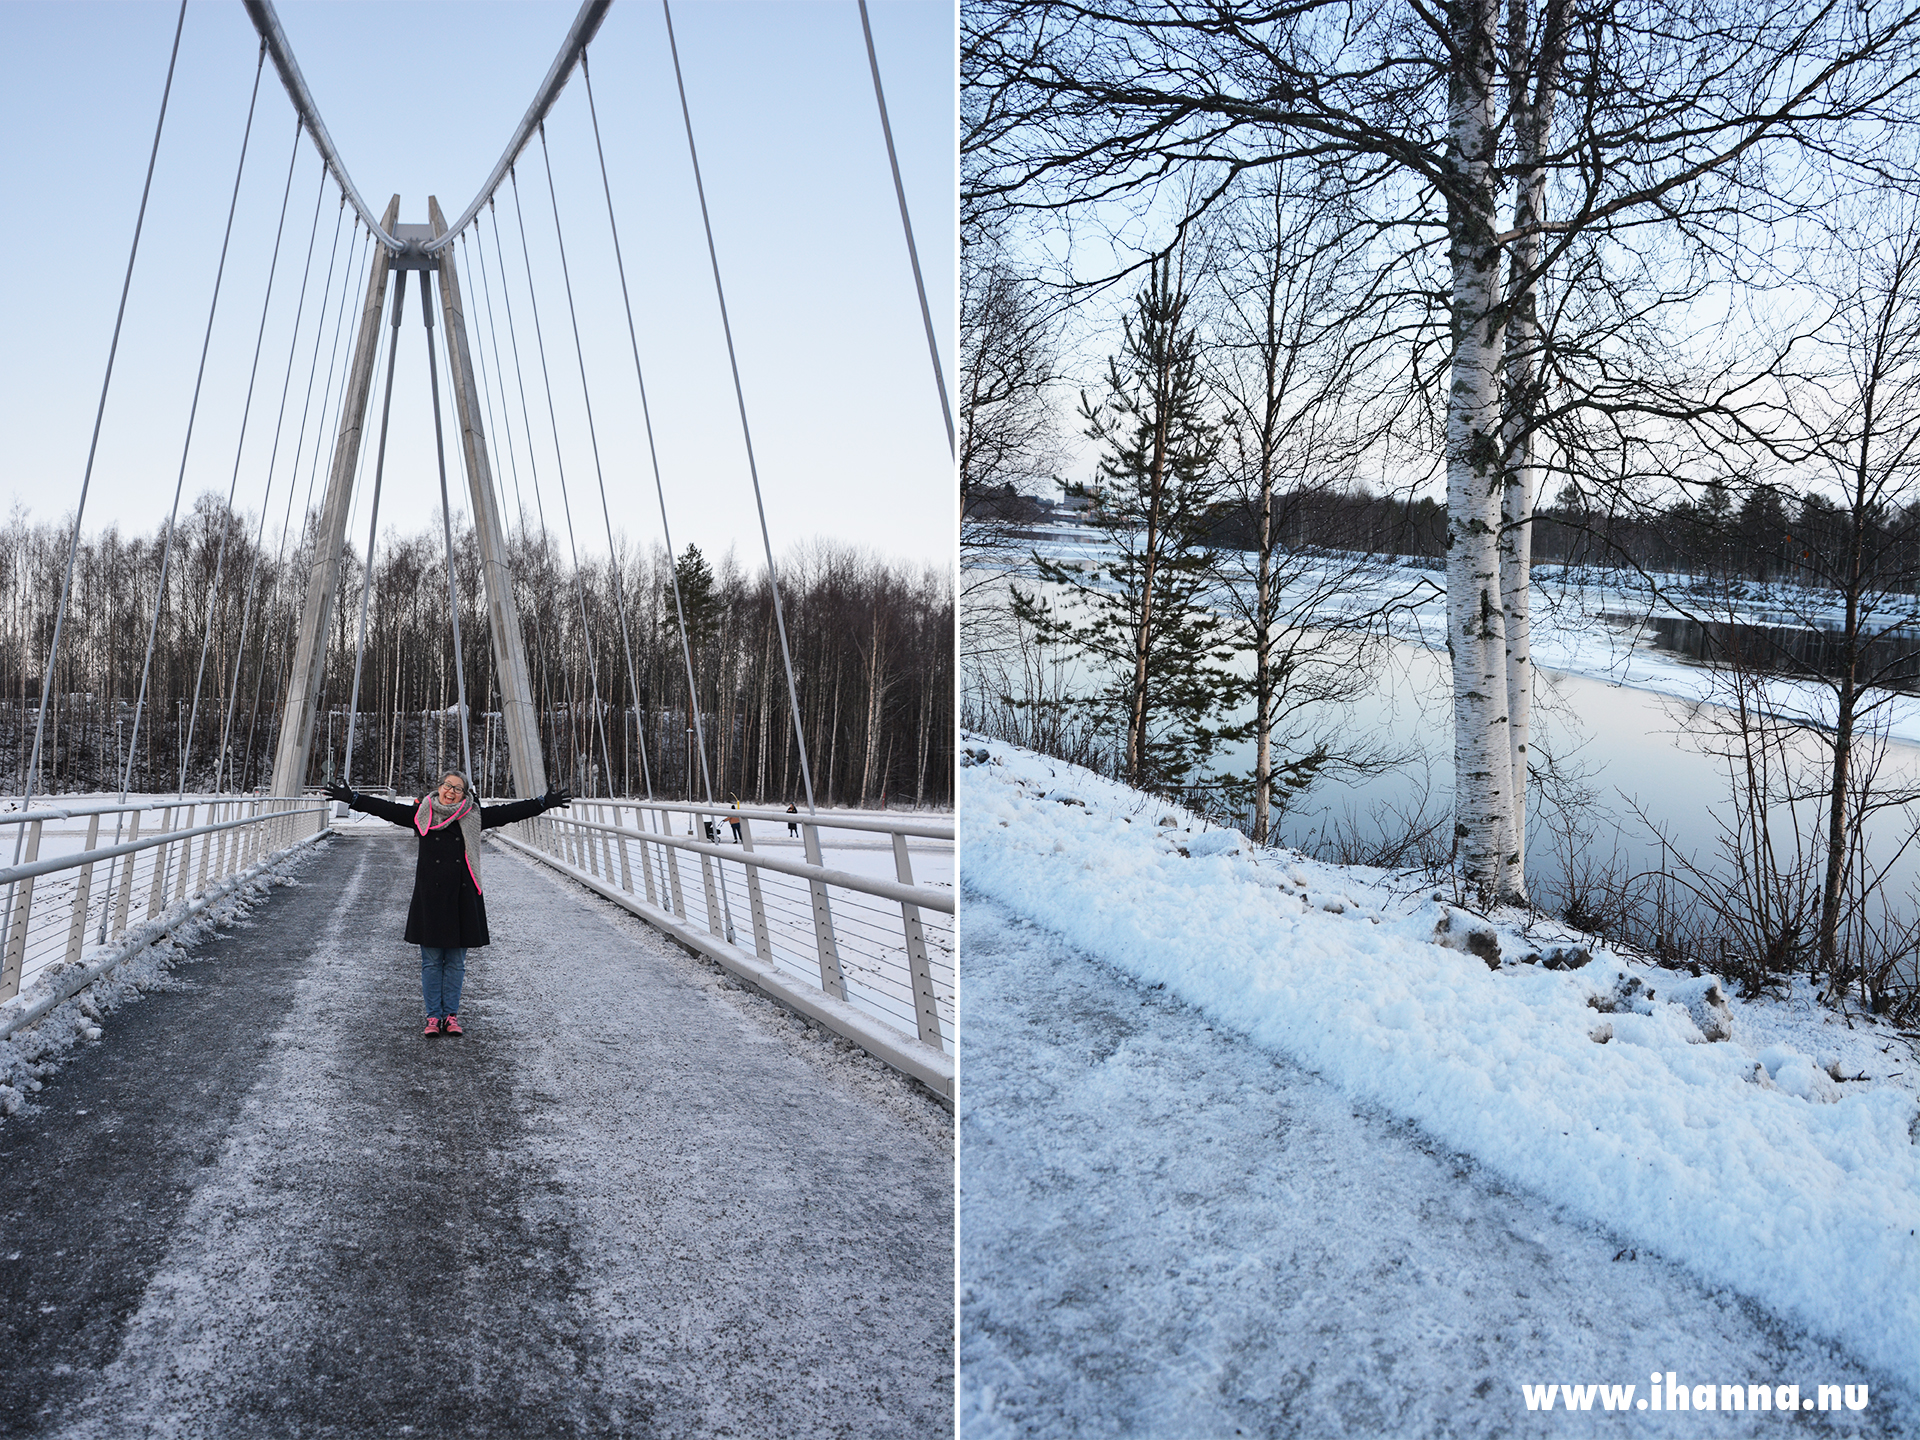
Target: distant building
1007, 505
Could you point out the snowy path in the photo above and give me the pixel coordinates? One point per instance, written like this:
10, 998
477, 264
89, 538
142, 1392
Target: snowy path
634, 1200
1168, 1232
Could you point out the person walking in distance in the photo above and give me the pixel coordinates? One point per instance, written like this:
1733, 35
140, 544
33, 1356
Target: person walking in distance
793, 826
448, 916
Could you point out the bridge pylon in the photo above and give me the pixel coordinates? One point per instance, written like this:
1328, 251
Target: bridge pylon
294, 746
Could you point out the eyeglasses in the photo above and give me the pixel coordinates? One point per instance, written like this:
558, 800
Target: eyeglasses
456, 789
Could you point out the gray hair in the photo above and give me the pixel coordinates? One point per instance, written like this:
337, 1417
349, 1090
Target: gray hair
466, 785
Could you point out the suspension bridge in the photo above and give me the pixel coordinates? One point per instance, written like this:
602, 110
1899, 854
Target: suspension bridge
689, 1171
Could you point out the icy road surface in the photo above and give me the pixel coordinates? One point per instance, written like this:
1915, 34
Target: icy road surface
1167, 1232
632, 1201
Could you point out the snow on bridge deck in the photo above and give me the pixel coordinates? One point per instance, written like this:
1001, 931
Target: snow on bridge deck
633, 1200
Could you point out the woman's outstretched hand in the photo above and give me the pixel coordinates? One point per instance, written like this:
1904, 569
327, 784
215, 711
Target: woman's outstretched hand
337, 791
555, 796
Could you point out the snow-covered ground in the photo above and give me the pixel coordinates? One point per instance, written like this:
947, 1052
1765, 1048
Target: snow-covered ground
1747, 1162
1169, 1232
636, 1198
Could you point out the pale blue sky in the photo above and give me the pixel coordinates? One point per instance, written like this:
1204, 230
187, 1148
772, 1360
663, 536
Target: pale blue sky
420, 98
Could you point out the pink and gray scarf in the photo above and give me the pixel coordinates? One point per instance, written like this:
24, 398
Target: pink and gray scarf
432, 815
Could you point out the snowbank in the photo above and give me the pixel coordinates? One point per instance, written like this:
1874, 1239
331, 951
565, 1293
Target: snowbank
1732, 1158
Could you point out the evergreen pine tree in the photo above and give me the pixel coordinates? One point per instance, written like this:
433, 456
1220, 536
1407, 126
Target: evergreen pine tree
1141, 622
697, 594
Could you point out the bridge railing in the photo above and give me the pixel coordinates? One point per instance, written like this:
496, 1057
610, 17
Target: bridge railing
116, 870
845, 918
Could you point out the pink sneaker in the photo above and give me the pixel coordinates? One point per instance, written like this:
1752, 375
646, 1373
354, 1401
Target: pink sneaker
433, 1026
451, 1026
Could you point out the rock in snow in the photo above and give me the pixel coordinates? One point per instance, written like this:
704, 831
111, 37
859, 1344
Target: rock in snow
1468, 935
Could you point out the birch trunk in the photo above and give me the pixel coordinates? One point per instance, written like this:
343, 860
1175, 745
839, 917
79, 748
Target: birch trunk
1476, 639
1531, 115
1263, 663
875, 685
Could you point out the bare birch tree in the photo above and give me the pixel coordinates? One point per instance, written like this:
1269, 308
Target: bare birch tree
1512, 135
1288, 358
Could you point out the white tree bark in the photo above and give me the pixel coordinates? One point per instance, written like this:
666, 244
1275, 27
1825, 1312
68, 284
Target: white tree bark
1531, 116
1483, 761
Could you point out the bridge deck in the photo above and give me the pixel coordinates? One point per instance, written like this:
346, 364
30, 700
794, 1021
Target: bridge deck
634, 1200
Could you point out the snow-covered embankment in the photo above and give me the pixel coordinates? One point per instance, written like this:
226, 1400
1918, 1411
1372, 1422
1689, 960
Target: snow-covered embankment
1740, 1159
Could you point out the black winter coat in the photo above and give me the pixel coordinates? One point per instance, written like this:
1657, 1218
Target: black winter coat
446, 910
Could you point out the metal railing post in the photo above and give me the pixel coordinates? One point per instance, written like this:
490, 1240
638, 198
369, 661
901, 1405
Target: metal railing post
671, 859
626, 868
646, 854
706, 878
124, 901
831, 980
925, 1011
82, 888
206, 854
762, 942
17, 937
186, 858
157, 891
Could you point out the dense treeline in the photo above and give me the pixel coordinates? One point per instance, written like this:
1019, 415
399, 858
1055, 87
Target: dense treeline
1768, 534
872, 647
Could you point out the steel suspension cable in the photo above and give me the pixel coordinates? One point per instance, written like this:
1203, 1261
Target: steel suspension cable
220, 766
382, 374
646, 410
99, 416
619, 588
906, 224
373, 524
560, 465
86, 482
486, 389
239, 449
740, 395
526, 418
519, 372
293, 479
496, 426
446, 520
193, 411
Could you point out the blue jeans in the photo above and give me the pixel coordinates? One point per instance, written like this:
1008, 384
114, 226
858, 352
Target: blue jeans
441, 971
